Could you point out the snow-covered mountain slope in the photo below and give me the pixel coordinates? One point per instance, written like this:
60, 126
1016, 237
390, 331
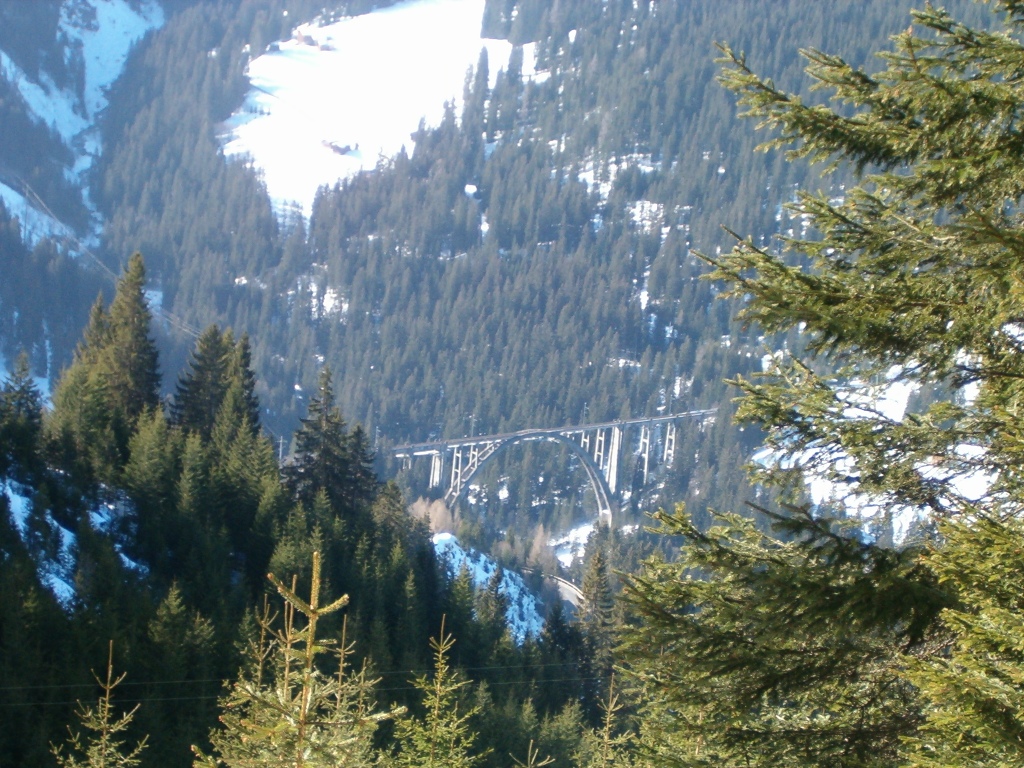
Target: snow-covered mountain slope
524, 619
336, 98
94, 38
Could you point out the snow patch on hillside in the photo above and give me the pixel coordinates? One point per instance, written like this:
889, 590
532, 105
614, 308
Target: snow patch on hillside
337, 99
56, 570
523, 615
55, 573
105, 37
97, 35
51, 106
101, 33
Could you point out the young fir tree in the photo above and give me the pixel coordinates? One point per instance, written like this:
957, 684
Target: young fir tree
608, 746
284, 709
911, 278
105, 747
443, 737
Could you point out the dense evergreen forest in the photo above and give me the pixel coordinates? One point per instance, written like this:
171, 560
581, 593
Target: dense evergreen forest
154, 530
145, 501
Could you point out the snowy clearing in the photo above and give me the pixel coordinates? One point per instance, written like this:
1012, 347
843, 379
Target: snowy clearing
335, 99
572, 545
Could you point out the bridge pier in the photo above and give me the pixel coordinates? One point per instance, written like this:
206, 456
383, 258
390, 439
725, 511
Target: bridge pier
645, 448
436, 469
611, 472
669, 454
456, 483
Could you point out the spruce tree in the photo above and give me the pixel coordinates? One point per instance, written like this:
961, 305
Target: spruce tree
284, 708
758, 651
322, 459
219, 375
105, 747
443, 737
129, 364
201, 389
241, 373
596, 613
21, 415
113, 379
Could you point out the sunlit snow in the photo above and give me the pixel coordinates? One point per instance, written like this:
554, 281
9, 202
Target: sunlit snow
524, 619
106, 40
104, 32
335, 99
34, 223
56, 574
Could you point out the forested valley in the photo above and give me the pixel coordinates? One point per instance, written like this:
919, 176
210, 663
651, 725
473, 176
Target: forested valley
561, 292
226, 379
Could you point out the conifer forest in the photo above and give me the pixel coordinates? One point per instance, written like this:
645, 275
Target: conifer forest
802, 221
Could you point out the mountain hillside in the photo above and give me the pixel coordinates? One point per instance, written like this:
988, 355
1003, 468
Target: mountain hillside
525, 261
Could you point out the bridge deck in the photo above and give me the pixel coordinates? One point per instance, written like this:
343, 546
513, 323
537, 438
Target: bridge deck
425, 449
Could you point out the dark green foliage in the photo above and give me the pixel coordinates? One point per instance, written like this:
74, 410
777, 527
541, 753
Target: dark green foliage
331, 460
755, 651
200, 391
220, 376
322, 459
114, 378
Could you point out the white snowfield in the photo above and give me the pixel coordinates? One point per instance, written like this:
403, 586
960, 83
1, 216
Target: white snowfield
336, 99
